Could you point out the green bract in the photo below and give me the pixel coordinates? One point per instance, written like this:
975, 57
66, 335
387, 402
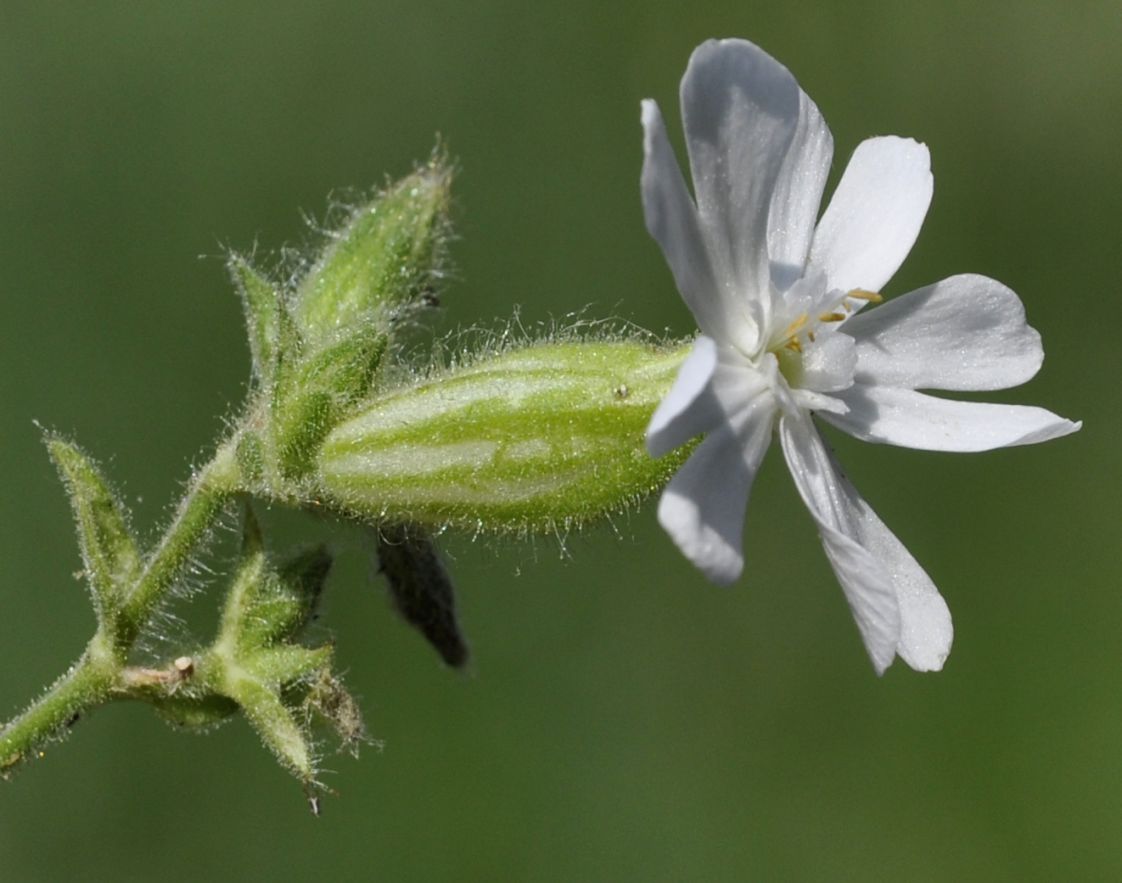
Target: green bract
109, 553
255, 663
546, 436
535, 436
317, 348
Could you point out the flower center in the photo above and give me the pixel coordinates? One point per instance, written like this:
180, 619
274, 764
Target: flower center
790, 346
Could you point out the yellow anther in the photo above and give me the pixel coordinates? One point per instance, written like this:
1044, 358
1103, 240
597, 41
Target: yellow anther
793, 344
810, 336
862, 294
831, 317
795, 326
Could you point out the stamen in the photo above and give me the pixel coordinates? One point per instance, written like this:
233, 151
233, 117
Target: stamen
793, 344
831, 317
795, 326
810, 336
862, 294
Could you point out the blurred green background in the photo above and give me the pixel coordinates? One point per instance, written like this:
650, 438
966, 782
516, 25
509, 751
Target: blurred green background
623, 720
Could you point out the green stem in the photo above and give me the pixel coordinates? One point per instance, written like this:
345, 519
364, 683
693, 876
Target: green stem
87, 684
96, 677
209, 492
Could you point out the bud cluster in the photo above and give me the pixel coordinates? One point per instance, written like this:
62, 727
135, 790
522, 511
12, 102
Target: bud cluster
539, 435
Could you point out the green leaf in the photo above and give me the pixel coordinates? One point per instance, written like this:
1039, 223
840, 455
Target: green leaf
421, 589
303, 577
541, 438
277, 667
254, 662
265, 316
299, 427
109, 552
312, 393
264, 607
276, 725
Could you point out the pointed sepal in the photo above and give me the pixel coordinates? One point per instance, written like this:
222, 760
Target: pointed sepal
110, 555
265, 316
266, 607
256, 665
311, 394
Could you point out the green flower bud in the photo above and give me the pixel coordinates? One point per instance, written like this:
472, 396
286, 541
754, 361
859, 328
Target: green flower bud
547, 436
387, 256
317, 348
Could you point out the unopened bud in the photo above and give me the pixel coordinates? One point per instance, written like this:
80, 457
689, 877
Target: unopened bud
387, 256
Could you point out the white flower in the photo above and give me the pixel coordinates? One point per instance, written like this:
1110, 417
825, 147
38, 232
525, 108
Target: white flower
777, 299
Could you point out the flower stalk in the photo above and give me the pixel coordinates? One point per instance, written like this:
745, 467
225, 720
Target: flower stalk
102, 673
539, 435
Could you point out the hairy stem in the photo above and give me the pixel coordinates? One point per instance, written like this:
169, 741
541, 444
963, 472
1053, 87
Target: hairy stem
97, 676
209, 492
88, 683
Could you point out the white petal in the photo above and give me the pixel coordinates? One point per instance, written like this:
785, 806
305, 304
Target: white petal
816, 401
798, 194
868, 592
868, 559
914, 420
740, 108
966, 332
829, 363
703, 506
673, 223
874, 217
686, 410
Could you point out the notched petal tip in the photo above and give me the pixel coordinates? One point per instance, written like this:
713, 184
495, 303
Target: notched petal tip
965, 332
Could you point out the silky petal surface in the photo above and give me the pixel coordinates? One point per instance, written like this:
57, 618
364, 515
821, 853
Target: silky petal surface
798, 194
686, 410
868, 558
964, 333
740, 108
703, 506
915, 420
673, 222
868, 592
875, 214
829, 364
